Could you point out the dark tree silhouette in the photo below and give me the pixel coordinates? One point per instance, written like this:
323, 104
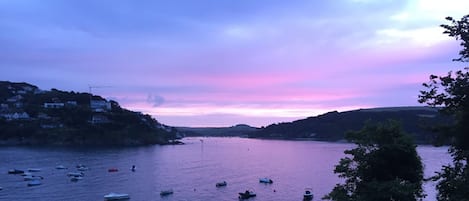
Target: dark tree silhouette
384, 166
451, 92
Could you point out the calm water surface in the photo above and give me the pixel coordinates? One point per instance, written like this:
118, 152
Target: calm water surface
191, 170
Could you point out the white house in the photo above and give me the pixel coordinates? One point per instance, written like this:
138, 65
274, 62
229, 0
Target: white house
16, 116
54, 105
99, 119
14, 98
100, 105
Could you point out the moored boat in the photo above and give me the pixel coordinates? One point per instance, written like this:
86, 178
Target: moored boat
247, 194
76, 178
266, 180
34, 182
34, 170
32, 177
308, 195
166, 192
221, 184
27, 174
75, 174
60, 167
15, 171
81, 167
117, 196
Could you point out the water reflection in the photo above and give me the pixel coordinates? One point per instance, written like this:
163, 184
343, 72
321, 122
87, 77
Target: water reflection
191, 170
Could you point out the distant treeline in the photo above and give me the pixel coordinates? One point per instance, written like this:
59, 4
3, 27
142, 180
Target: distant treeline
419, 122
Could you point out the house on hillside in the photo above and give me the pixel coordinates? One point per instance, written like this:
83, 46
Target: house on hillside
43, 116
16, 116
28, 88
15, 98
71, 103
99, 119
54, 105
3, 106
100, 105
21, 92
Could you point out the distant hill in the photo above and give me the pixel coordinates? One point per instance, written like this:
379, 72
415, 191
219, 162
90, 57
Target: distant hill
29, 115
238, 130
416, 121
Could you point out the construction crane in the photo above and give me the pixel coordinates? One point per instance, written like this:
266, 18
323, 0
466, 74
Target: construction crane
95, 87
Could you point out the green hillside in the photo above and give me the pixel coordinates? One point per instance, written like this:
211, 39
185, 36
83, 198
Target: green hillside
29, 115
416, 121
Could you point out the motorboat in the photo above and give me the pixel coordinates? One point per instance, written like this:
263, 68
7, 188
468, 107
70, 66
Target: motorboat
34, 170
82, 168
166, 192
76, 178
34, 182
247, 194
266, 180
32, 177
28, 177
27, 174
112, 170
15, 171
60, 167
221, 184
308, 195
75, 174
117, 196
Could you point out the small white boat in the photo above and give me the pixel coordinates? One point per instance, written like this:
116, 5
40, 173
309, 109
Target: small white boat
32, 177
76, 178
166, 192
266, 180
27, 174
34, 170
35, 182
60, 167
75, 174
81, 167
28, 177
308, 195
221, 184
116, 196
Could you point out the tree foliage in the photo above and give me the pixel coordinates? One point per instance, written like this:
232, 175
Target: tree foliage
451, 92
383, 166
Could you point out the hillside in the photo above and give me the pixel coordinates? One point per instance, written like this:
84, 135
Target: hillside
238, 130
29, 115
416, 121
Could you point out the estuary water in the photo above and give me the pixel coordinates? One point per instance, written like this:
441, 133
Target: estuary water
190, 170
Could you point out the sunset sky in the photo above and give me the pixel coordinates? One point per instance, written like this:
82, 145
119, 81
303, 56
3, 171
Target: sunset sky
221, 63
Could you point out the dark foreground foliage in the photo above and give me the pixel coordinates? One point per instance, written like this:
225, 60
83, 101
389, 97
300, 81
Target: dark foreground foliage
384, 166
451, 92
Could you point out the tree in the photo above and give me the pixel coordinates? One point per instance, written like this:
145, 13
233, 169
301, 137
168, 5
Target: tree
383, 166
451, 92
